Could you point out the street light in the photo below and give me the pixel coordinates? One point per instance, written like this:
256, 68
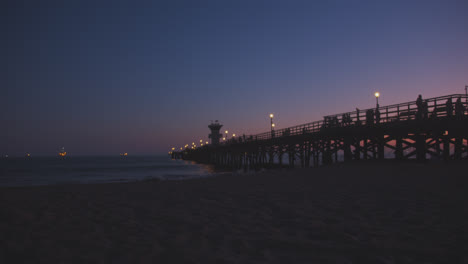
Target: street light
271, 122
377, 95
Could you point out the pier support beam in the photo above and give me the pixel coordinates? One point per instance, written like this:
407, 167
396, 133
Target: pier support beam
421, 147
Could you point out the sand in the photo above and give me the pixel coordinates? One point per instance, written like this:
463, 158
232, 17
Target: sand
358, 212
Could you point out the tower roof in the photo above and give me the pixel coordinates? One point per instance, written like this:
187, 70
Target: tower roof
215, 125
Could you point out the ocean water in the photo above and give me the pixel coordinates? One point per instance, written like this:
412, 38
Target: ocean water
70, 170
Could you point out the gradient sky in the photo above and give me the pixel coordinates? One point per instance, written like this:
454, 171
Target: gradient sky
104, 77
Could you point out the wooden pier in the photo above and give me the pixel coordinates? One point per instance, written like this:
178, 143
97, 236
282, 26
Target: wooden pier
435, 128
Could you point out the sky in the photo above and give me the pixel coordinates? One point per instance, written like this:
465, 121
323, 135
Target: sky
105, 77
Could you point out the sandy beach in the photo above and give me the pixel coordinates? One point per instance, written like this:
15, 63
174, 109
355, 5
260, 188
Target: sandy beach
358, 212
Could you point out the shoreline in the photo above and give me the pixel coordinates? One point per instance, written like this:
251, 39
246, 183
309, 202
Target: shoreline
221, 171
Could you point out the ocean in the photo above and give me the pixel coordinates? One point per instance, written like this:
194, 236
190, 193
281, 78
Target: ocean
82, 170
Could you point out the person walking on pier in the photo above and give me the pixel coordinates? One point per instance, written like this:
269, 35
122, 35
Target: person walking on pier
358, 122
449, 107
419, 101
459, 108
419, 105
369, 117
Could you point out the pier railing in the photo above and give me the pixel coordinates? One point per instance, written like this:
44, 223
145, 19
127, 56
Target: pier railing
436, 108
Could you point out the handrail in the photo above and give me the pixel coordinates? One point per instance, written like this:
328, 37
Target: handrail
436, 107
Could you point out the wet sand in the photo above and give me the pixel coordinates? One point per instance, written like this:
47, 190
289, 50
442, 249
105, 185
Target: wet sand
358, 212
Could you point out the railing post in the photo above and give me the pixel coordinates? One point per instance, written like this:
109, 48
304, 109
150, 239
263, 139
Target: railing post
446, 142
409, 116
398, 113
386, 114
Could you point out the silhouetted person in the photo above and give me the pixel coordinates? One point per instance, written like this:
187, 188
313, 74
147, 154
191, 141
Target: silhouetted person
419, 105
349, 119
370, 117
324, 124
459, 108
424, 110
377, 116
346, 119
419, 102
335, 121
449, 107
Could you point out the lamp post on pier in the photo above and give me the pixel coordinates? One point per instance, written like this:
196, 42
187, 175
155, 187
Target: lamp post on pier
377, 95
271, 122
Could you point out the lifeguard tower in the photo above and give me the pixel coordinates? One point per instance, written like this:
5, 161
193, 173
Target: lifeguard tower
215, 135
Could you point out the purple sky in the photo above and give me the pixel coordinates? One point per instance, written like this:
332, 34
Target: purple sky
104, 77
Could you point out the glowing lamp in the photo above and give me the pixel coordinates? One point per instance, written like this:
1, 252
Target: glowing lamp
377, 94
271, 115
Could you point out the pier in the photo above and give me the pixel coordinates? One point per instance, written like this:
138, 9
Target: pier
429, 129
